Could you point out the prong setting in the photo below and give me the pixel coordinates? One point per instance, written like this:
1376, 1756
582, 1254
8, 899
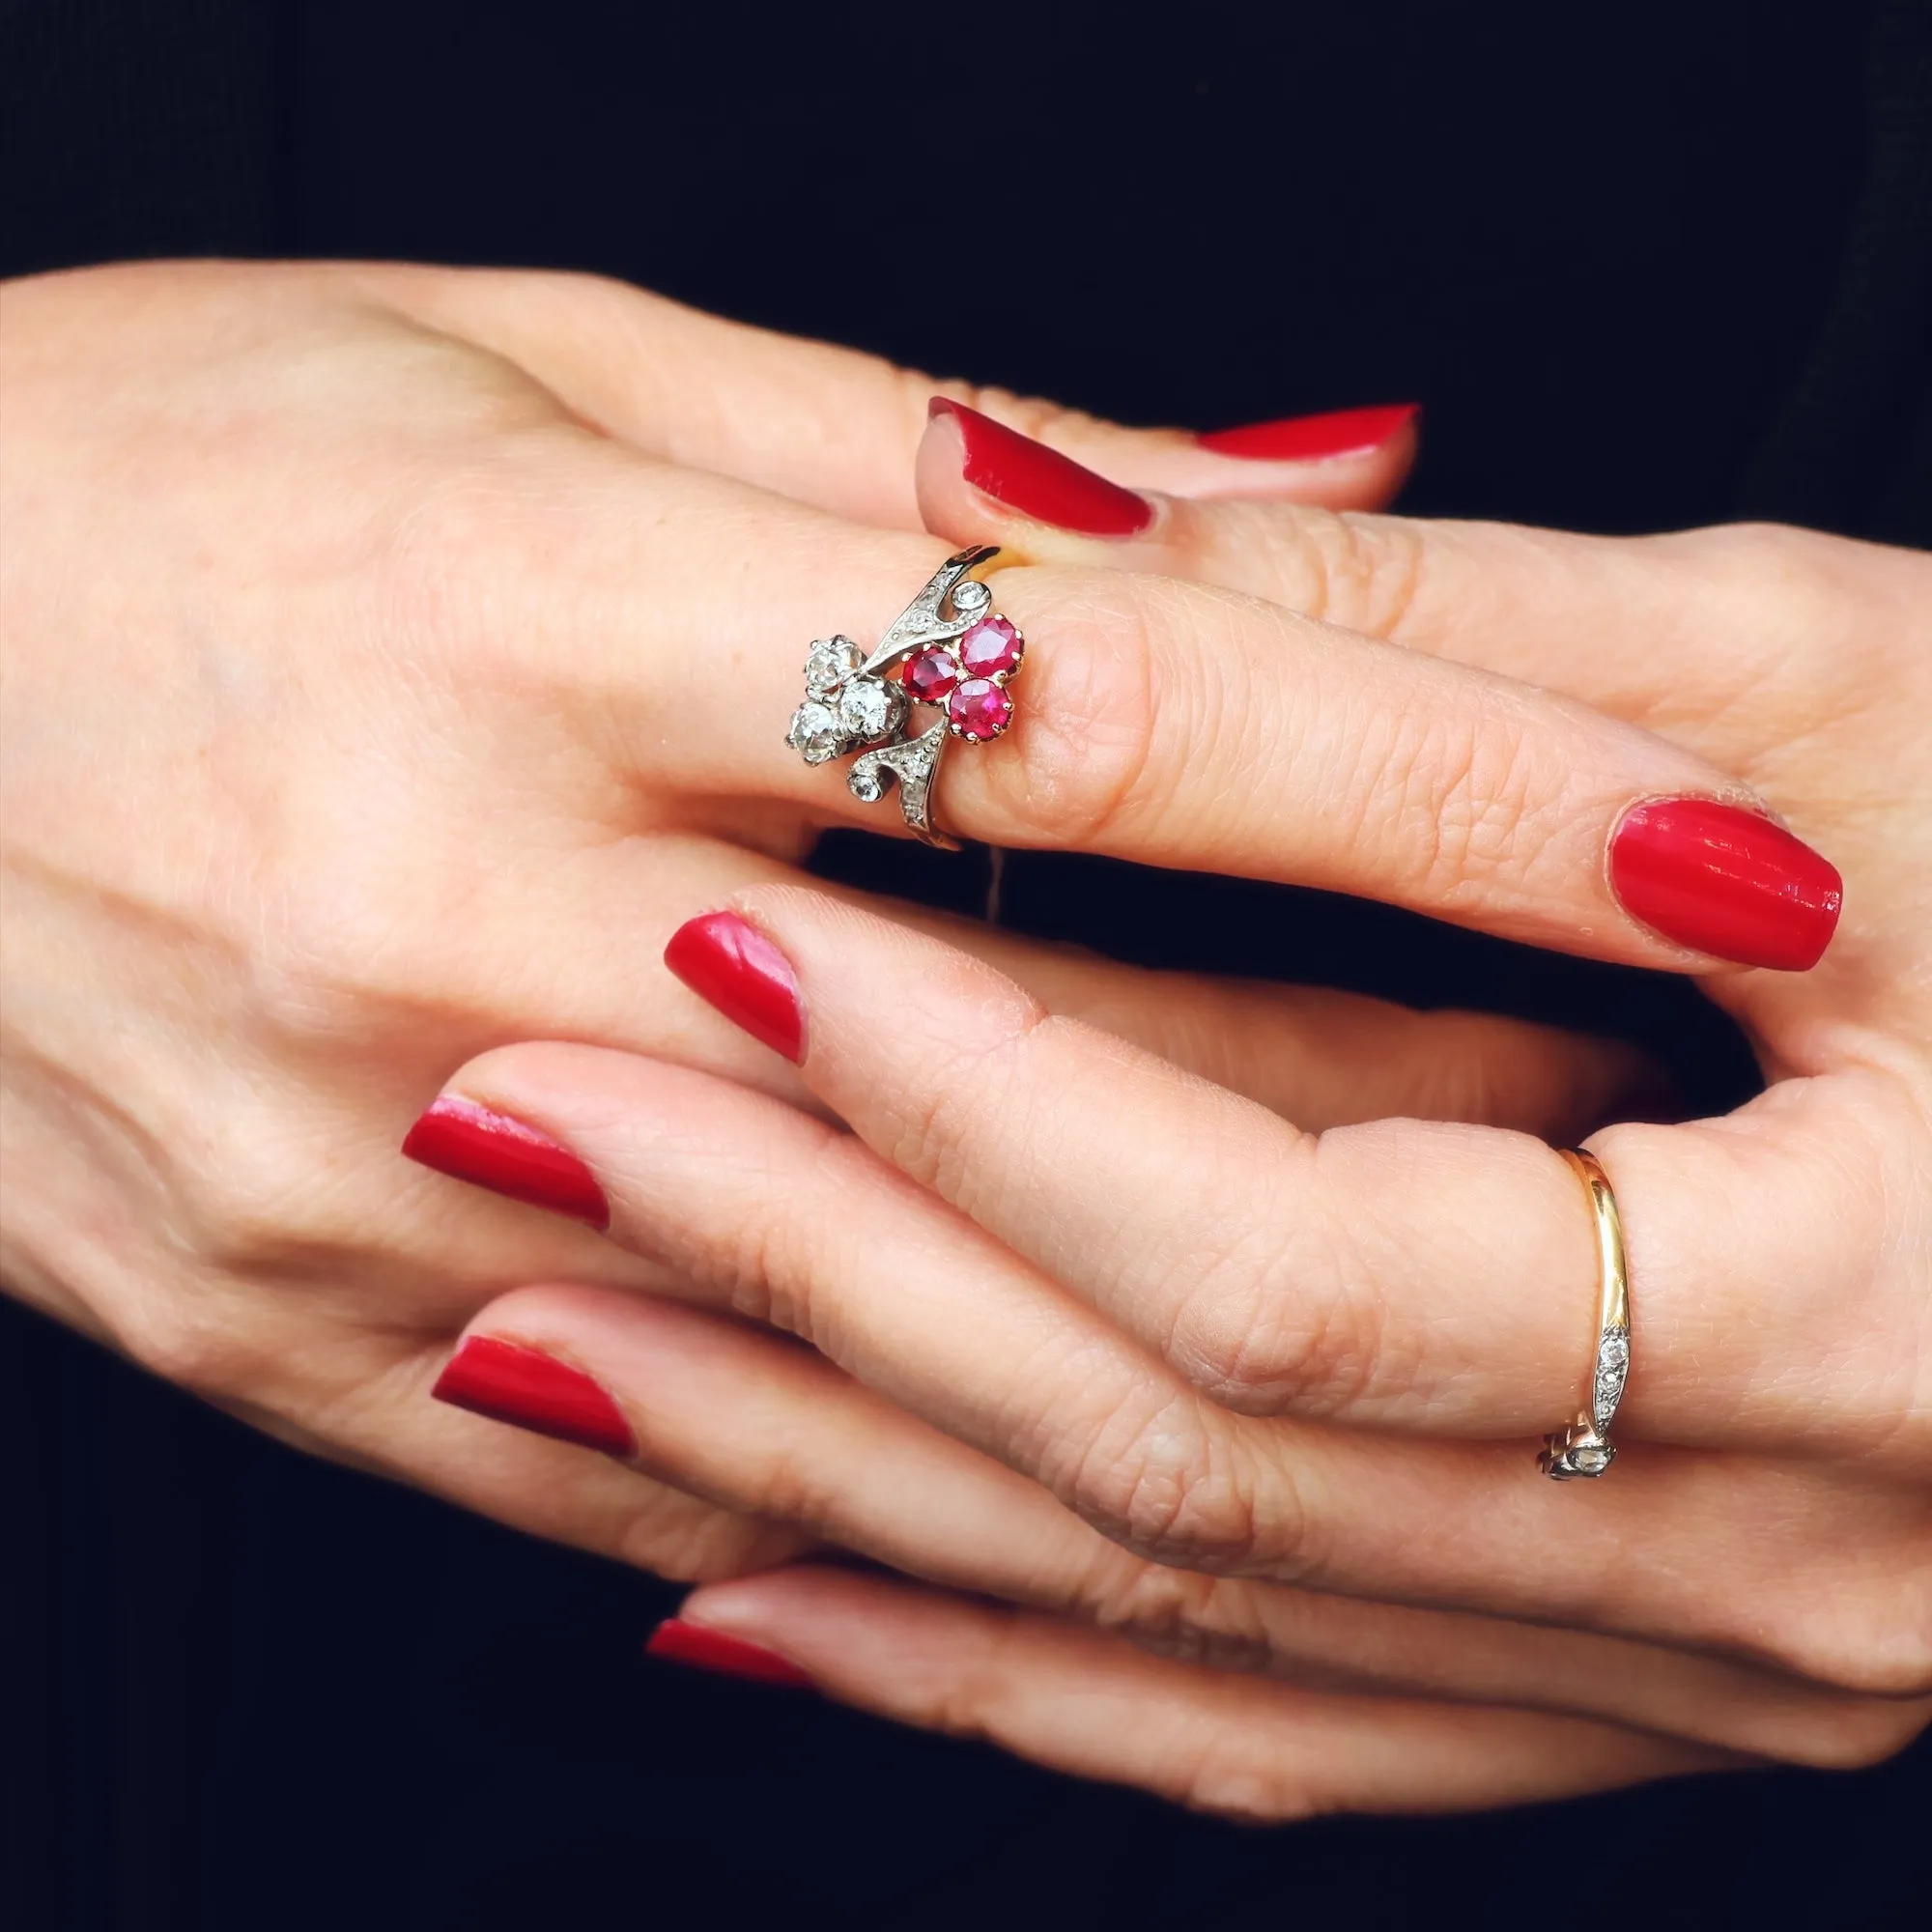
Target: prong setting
948, 650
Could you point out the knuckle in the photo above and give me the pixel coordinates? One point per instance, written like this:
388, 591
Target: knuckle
256, 1197
1462, 789
307, 977
1190, 1615
1173, 1489
426, 587
679, 1536
1881, 1647
253, 1209
1231, 1774
967, 1698
1084, 738
783, 1266
1766, 565
1273, 1330
1362, 572
981, 1077
1784, 588
178, 1337
1851, 1733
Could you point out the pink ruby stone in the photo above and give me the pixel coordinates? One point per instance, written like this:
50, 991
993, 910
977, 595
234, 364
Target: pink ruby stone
979, 708
990, 647
930, 675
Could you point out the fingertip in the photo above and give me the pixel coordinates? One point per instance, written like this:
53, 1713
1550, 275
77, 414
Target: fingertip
1329, 436
1340, 460
975, 474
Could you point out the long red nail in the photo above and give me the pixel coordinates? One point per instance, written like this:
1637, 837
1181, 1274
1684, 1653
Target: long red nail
1040, 482
1727, 882
1313, 438
732, 964
679, 1642
471, 1142
511, 1384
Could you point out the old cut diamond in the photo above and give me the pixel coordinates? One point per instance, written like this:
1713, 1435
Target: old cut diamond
832, 662
867, 708
815, 733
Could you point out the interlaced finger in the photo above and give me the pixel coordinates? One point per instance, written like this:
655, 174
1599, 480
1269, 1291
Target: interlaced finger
777, 1218
765, 1430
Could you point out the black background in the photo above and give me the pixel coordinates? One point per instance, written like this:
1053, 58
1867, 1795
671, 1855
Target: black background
1645, 265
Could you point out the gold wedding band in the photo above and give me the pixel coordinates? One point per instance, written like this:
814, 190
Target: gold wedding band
1585, 1448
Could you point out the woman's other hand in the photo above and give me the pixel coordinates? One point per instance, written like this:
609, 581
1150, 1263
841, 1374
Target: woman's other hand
1107, 1342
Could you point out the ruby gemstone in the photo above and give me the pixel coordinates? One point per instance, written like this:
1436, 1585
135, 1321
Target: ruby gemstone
930, 675
980, 709
990, 647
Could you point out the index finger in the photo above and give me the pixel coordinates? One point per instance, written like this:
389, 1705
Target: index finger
1156, 720
834, 426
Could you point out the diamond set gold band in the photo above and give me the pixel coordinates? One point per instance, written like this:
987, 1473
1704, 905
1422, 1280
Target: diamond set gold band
1584, 1449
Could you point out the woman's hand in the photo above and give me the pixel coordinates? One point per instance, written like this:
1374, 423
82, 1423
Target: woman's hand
392, 658
1099, 1337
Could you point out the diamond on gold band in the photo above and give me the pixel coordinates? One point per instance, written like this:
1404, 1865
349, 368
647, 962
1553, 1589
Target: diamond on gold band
1585, 1448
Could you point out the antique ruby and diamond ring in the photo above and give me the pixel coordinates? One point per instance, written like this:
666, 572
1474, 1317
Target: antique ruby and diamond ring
949, 649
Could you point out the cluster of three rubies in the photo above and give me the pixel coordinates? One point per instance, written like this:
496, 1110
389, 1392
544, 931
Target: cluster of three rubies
969, 676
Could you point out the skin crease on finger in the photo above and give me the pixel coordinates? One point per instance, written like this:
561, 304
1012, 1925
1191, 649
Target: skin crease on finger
374, 782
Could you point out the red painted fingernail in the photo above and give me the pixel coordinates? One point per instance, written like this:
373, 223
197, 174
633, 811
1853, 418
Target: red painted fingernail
1040, 482
1313, 438
679, 1642
1727, 882
510, 1383
733, 965
471, 1142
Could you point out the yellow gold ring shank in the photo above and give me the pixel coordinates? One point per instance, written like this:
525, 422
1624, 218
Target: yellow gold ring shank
1584, 1449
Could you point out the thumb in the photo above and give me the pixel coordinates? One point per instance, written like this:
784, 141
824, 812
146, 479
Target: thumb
839, 429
